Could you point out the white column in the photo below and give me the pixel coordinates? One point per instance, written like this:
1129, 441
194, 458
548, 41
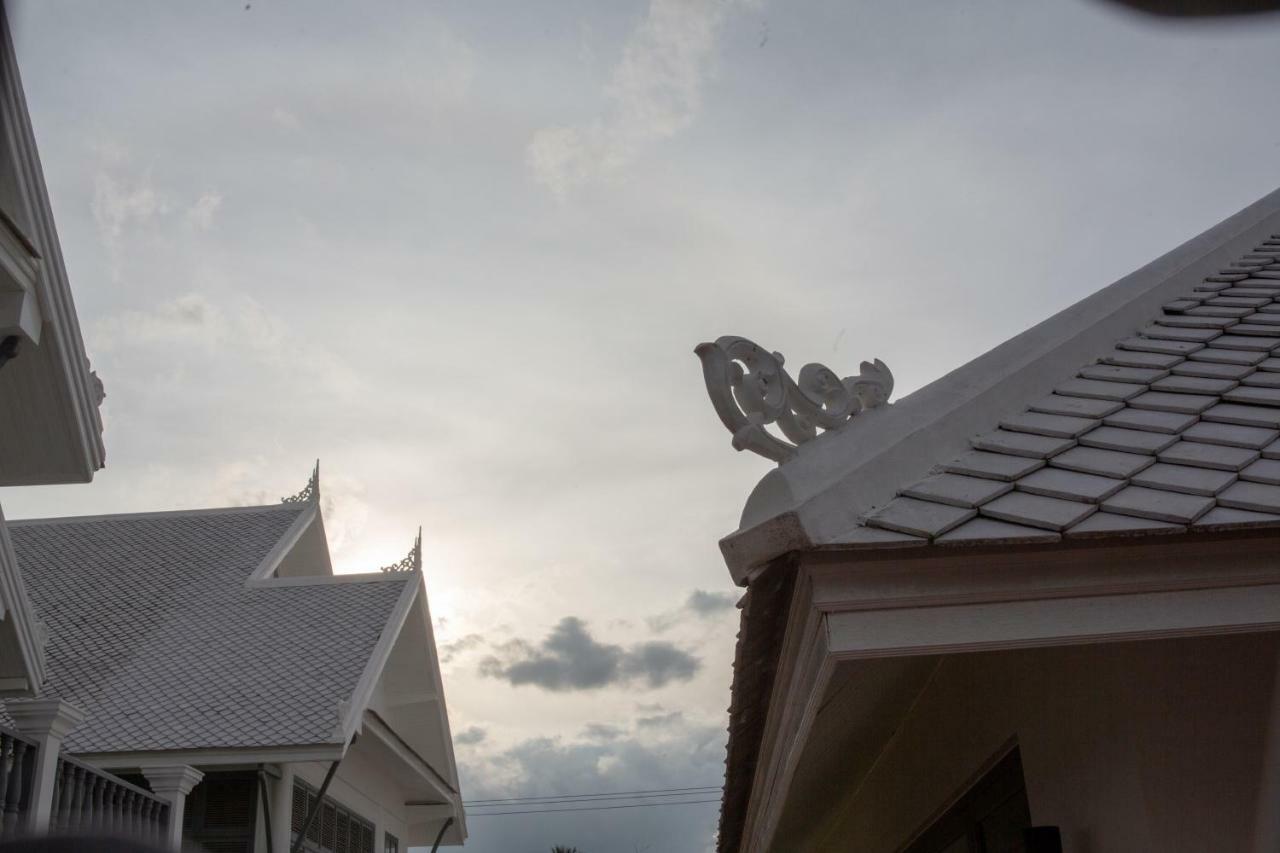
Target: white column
173, 783
47, 722
282, 810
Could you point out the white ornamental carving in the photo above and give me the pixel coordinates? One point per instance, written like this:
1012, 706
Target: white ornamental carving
750, 391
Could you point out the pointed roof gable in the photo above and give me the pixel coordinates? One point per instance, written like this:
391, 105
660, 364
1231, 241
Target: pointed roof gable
1150, 407
161, 633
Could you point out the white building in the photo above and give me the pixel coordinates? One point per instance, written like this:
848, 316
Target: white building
220, 641
1040, 593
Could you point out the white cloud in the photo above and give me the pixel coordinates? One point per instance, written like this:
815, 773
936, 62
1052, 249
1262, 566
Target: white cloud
202, 212
119, 203
285, 119
655, 92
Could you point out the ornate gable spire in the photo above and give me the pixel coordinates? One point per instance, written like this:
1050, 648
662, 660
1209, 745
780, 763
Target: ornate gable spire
310, 493
411, 562
750, 390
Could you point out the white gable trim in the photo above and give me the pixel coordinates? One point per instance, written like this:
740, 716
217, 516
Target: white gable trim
354, 708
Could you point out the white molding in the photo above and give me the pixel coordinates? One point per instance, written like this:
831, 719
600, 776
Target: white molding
172, 780
44, 717
1052, 622
285, 543
378, 728
363, 691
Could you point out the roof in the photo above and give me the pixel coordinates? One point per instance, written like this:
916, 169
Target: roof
154, 632
1150, 407
1177, 427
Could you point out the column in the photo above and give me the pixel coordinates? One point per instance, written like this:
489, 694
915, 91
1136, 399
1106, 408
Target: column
282, 810
173, 783
47, 722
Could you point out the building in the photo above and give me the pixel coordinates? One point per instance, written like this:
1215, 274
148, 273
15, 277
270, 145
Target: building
1033, 605
217, 648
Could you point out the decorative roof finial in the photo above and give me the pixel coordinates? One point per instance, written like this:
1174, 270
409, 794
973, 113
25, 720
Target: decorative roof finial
310, 493
411, 562
749, 400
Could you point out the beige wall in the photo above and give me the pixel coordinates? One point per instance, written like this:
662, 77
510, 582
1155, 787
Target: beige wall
1154, 746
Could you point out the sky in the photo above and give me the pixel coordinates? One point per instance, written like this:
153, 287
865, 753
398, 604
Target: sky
461, 252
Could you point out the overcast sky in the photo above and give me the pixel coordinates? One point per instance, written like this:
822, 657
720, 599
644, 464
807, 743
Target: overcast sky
462, 251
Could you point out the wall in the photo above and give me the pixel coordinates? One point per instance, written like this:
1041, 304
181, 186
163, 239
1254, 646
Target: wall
363, 787
1154, 746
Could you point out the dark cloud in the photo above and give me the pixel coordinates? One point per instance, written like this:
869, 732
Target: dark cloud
660, 721
602, 731
706, 603
470, 736
569, 658
700, 605
680, 755
450, 650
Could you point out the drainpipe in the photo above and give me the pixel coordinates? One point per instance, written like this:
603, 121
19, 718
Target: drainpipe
440, 835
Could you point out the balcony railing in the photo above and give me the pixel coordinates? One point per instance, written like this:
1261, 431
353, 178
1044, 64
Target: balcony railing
17, 771
89, 800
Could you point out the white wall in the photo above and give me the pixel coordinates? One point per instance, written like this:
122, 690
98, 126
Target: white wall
366, 789
1154, 746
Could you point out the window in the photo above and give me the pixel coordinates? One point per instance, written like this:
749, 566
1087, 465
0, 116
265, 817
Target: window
222, 812
391, 844
990, 818
336, 829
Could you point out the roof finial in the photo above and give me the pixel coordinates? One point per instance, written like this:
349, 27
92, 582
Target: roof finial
411, 562
310, 493
749, 400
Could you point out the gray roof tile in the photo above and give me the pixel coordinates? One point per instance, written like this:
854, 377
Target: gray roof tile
1070, 485
1230, 434
1262, 318
1145, 419
1201, 455
1217, 355
1253, 395
1193, 321
1055, 426
1165, 333
1037, 511
1193, 385
1110, 524
1105, 463
988, 531
1084, 407
1271, 451
1118, 373
1271, 363
1166, 347
1098, 389
919, 518
1130, 358
1022, 444
1221, 517
1235, 413
1257, 497
1184, 478
1158, 504
994, 466
873, 537
957, 490
1221, 308
1127, 440
1263, 379
1255, 329
1212, 370
1244, 342
1163, 401
1263, 471
153, 632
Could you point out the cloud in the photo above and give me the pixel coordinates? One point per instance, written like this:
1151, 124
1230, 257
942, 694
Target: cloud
450, 650
470, 736
202, 212
655, 91
660, 721
569, 658
700, 604
119, 203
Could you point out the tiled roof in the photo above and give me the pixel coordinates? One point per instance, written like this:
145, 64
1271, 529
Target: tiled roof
1176, 428
154, 633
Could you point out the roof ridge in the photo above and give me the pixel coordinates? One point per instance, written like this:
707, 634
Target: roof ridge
162, 513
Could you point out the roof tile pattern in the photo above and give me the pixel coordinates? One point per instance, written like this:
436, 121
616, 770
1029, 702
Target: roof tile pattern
1177, 428
153, 632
